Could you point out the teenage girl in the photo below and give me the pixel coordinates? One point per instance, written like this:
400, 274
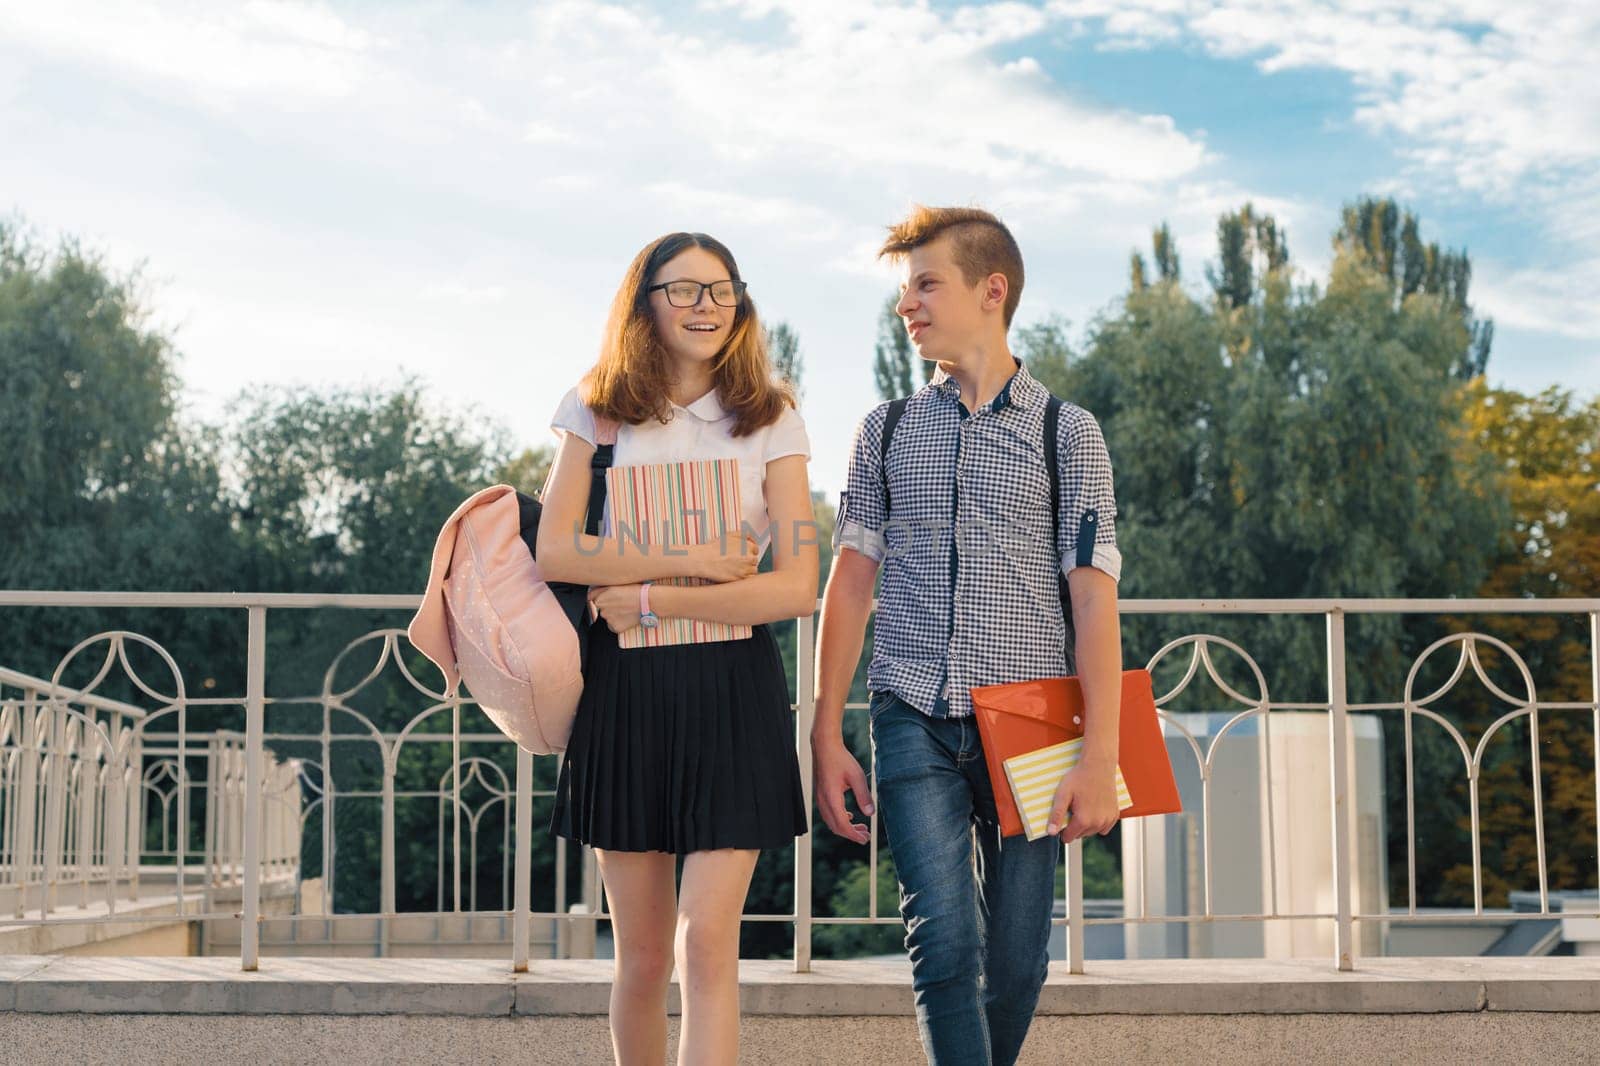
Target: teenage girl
685, 750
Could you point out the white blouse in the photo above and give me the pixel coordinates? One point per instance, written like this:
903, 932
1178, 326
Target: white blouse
702, 430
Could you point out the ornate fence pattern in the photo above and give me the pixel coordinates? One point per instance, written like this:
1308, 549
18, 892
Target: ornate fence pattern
96, 792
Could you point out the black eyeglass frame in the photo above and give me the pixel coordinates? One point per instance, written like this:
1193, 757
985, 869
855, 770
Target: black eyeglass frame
739, 288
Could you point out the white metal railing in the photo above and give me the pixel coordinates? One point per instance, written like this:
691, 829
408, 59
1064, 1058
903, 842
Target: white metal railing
63, 825
84, 782
114, 744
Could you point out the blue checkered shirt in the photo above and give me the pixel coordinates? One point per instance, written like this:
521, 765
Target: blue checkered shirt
969, 594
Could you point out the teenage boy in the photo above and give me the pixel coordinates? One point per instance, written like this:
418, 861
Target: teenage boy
955, 505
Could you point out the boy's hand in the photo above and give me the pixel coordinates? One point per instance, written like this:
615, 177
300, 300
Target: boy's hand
838, 772
1089, 793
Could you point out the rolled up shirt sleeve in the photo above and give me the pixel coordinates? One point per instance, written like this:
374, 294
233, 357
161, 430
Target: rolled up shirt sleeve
861, 507
1088, 533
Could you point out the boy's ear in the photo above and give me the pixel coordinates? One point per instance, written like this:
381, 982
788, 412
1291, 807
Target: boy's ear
995, 289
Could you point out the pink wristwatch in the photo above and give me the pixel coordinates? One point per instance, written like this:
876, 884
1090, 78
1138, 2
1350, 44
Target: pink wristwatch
647, 617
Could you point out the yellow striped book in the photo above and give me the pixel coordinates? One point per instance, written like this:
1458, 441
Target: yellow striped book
678, 504
1035, 776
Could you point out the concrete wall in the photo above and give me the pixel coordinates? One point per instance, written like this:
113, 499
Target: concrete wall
1305, 1039
180, 940
355, 1012
159, 930
410, 936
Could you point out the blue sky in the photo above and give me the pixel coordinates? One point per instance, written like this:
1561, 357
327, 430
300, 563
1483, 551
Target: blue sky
340, 194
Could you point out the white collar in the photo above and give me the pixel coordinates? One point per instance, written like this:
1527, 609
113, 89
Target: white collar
707, 408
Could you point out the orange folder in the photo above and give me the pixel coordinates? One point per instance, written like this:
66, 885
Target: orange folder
1024, 716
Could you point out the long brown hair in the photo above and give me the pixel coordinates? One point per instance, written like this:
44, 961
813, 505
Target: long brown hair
632, 379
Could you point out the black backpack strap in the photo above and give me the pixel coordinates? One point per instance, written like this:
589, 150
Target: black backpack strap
598, 465
571, 595
1088, 525
891, 419
1052, 464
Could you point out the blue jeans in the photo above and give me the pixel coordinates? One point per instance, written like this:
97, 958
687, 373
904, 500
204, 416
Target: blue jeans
976, 908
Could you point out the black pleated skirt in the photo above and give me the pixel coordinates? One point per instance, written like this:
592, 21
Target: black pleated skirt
683, 748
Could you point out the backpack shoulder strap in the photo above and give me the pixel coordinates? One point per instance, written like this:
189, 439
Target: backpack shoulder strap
891, 419
1052, 464
604, 450
1086, 524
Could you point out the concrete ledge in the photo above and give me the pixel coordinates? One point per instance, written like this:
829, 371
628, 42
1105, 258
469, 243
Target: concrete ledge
94, 928
1487, 1037
376, 1012
488, 988
282, 986
1238, 986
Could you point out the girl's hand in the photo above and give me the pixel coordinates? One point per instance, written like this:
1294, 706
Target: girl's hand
729, 559
617, 604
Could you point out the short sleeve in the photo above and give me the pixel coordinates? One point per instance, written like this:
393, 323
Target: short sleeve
574, 416
1088, 533
861, 507
787, 436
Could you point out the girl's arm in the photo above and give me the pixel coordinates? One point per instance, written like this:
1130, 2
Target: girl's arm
567, 553
788, 591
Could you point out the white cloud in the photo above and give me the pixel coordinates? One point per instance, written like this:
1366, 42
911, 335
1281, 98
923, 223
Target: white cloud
805, 221
1561, 301
338, 192
860, 261
308, 23
1496, 102
850, 85
537, 131
1499, 93
471, 295
1130, 28
213, 52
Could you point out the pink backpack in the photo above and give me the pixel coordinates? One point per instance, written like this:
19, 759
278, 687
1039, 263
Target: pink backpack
489, 618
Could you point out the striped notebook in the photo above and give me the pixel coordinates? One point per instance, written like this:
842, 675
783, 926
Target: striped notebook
680, 504
1035, 776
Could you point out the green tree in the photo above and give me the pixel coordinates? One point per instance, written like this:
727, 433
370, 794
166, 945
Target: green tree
341, 491
1102, 876
1165, 255
850, 898
333, 486
89, 390
332, 492
528, 470
783, 345
104, 488
1277, 432
1546, 449
1045, 347
897, 370
1388, 240
1286, 440
1248, 248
